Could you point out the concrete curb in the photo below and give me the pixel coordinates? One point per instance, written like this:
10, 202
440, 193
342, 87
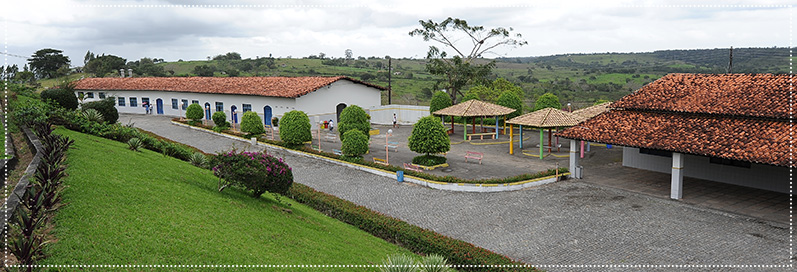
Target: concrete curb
9, 162
13, 199
459, 187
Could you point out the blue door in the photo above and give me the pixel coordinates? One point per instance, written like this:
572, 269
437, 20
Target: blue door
267, 115
234, 114
159, 103
207, 111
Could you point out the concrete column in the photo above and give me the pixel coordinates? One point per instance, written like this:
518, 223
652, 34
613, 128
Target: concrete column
677, 184
573, 159
520, 134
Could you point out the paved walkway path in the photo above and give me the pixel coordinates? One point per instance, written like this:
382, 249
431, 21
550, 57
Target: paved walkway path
551, 226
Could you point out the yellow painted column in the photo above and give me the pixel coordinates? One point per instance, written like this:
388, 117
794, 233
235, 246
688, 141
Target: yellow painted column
511, 144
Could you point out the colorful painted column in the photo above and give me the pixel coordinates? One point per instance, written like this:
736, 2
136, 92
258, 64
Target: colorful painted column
464, 129
511, 144
582, 149
542, 134
519, 133
496, 128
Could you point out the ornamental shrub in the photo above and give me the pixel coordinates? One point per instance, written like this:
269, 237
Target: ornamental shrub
510, 99
254, 171
428, 160
429, 137
355, 143
252, 124
93, 115
220, 119
547, 100
440, 100
107, 107
134, 144
295, 128
63, 95
194, 112
354, 117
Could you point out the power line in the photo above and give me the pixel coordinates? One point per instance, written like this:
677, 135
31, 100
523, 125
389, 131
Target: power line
13, 55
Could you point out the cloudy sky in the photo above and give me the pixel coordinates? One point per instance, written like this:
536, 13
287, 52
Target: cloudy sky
194, 30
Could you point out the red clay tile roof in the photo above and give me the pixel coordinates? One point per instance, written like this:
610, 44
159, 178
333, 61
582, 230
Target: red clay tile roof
261, 86
735, 116
757, 95
755, 140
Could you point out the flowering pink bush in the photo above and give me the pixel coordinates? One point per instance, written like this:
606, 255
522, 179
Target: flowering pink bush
254, 171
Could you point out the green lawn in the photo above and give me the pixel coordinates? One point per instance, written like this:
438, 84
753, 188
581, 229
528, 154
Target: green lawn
126, 207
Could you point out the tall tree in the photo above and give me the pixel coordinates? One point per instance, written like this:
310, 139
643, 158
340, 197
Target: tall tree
89, 56
46, 62
348, 54
460, 70
105, 64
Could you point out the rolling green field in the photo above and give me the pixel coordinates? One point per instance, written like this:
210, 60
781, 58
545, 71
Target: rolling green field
126, 207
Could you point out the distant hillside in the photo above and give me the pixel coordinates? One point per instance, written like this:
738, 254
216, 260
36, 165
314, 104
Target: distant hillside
579, 79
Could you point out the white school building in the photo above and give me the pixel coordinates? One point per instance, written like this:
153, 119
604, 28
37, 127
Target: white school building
321, 98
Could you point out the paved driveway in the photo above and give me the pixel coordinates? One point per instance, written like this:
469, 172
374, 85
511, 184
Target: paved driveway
552, 226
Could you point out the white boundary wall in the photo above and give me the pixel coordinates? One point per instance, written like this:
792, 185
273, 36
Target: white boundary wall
405, 114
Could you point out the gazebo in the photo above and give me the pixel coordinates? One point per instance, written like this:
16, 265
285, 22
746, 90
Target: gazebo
542, 119
592, 111
474, 108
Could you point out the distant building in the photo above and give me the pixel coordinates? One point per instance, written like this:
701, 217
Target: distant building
730, 128
321, 97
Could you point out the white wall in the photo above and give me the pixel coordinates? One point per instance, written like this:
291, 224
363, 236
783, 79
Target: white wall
405, 114
761, 176
322, 103
279, 106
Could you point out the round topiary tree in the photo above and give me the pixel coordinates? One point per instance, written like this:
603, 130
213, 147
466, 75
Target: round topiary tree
440, 100
355, 143
252, 124
295, 128
220, 119
354, 117
510, 99
255, 171
106, 107
195, 113
429, 137
64, 96
547, 100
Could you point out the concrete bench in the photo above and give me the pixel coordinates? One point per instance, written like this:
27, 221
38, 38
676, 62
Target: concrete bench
380, 161
550, 147
331, 137
481, 135
393, 145
474, 155
337, 152
412, 167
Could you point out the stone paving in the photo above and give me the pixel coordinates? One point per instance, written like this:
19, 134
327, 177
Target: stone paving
551, 226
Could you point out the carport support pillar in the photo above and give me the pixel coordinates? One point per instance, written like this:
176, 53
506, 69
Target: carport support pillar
677, 186
542, 134
574, 160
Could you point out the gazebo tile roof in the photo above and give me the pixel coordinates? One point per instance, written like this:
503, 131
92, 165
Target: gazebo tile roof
592, 111
475, 107
545, 118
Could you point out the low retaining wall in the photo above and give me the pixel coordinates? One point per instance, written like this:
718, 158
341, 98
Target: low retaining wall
8, 162
460, 187
13, 199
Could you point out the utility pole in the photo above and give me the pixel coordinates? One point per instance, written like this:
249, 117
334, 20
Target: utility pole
730, 61
389, 77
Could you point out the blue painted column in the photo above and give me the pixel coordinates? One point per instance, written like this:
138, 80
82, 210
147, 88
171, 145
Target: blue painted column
496, 128
521, 136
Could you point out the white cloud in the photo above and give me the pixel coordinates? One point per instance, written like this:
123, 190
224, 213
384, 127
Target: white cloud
136, 29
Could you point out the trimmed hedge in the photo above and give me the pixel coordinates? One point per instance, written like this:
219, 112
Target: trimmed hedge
402, 233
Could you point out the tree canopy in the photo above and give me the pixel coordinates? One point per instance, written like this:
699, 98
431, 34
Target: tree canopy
46, 63
510, 100
547, 100
440, 100
105, 64
354, 117
429, 137
460, 70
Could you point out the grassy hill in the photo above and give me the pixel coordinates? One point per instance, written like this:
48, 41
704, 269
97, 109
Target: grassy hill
126, 207
580, 79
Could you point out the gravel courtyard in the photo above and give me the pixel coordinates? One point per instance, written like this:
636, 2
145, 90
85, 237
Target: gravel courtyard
551, 226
